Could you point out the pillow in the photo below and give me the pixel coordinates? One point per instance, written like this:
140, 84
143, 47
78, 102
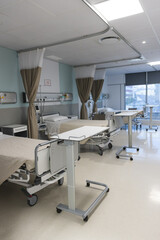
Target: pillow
50, 116
110, 110
56, 118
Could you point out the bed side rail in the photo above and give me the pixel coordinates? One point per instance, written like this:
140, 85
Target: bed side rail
50, 157
42, 157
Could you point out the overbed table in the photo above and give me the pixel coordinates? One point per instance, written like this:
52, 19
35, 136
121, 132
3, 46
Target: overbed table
151, 127
70, 137
130, 115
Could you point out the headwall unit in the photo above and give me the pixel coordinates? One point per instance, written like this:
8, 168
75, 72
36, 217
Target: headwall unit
50, 97
8, 97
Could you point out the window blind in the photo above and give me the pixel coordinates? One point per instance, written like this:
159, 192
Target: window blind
140, 78
136, 79
154, 77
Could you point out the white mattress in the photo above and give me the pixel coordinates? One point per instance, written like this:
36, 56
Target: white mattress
14, 152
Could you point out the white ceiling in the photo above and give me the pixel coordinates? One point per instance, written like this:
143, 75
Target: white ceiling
26, 24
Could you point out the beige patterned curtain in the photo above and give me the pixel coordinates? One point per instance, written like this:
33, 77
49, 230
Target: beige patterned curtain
95, 91
84, 80
30, 69
31, 79
84, 86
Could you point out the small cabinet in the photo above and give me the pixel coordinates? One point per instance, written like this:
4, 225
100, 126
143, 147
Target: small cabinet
15, 130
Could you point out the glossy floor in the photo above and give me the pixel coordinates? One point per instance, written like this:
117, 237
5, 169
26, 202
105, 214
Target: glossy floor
130, 211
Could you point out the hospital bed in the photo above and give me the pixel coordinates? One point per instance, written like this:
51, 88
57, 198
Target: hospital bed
103, 113
59, 124
33, 164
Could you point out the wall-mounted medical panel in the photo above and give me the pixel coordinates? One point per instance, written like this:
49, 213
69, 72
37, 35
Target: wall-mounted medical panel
50, 97
8, 97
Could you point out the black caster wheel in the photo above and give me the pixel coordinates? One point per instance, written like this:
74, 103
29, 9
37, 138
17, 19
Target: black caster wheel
58, 210
79, 158
61, 181
108, 190
146, 129
131, 158
117, 156
156, 130
137, 149
100, 151
87, 184
85, 219
32, 200
109, 145
124, 148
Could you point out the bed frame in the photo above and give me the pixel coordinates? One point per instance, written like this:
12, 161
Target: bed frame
50, 167
103, 141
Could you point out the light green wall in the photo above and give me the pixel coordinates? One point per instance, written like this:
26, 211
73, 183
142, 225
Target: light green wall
10, 79
75, 92
9, 76
67, 81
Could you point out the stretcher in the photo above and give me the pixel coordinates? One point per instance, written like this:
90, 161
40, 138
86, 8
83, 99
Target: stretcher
33, 164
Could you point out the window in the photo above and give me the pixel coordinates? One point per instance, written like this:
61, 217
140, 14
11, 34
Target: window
135, 96
143, 89
153, 98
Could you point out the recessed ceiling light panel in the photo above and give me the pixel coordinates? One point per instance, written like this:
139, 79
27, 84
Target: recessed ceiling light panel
115, 9
54, 58
154, 63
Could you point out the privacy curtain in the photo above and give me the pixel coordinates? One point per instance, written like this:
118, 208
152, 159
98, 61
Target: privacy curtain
95, 91
97, 86
30, 68
84, 86
84, 81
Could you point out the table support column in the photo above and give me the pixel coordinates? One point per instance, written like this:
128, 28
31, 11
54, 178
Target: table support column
150, 124
130, 132
70, 174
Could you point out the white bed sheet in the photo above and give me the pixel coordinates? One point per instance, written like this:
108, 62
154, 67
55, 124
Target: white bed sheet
72, 124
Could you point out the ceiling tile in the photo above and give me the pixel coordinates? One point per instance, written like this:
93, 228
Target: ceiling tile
30, 23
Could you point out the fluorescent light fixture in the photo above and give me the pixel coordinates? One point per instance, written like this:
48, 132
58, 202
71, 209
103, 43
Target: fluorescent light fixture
155, 195
154, 63
115, 9
143, 42
54, 58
